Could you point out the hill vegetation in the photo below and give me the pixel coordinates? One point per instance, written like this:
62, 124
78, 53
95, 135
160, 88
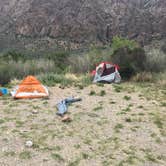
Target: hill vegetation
131, 58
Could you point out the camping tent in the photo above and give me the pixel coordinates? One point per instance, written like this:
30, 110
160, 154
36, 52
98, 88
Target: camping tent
106, 72
30, 87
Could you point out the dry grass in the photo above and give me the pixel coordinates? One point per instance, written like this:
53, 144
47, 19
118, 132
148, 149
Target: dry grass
113, 125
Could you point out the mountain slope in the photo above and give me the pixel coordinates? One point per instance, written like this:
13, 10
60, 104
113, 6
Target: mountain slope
73, 23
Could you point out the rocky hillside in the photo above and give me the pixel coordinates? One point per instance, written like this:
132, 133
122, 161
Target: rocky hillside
46, 24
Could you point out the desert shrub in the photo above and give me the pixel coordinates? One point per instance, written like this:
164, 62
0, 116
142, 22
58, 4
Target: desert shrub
60, 59
13, 55
143, 77
163, 48
119, 42
161, 78
86, 79
128, 55
131, 61
5, 74
79, 64
156, 60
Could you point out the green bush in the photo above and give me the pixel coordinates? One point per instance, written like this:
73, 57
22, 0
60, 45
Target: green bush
60, 59
119, 42
5, 74
13, 55
128, 55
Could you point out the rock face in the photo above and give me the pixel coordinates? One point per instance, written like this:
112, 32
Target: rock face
72, 23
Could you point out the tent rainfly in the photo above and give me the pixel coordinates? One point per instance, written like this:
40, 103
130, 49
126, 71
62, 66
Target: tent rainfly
30, 87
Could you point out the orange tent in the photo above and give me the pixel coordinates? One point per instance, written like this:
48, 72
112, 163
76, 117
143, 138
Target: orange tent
30, 87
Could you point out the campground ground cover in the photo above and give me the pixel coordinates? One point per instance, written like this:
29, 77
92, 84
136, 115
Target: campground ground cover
117, 125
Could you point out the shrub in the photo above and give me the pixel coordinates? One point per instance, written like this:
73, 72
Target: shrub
119, 42
102, 93
79, 64
128, 55
60, 59
5, 74
143, 77
13, 55
92, 93
86, 80
131, 61
163, 48
156, 60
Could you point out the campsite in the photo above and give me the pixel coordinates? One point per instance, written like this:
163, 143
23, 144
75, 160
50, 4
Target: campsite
82, 83
113, 124
105, 108
118, 119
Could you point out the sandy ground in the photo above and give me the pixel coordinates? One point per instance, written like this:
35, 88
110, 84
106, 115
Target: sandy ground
113, 125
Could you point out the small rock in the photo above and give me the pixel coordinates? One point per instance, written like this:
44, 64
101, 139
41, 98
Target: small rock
66, 118
61, 87
45, 159
35, 111
29, 144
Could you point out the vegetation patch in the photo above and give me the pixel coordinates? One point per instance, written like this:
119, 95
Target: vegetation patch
118, 127
57, 157
98, 108
117, 88
102, 93
9, 153
158, 121
2, 121
92, 93
127, 98
25, 155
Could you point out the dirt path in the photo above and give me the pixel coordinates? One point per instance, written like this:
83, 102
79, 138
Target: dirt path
113, 125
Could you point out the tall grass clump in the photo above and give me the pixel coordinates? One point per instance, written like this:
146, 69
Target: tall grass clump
88, 61
156, 60
13, 55
11, 69
143, 77
60, 59
52, 79
5, 73
17, 65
